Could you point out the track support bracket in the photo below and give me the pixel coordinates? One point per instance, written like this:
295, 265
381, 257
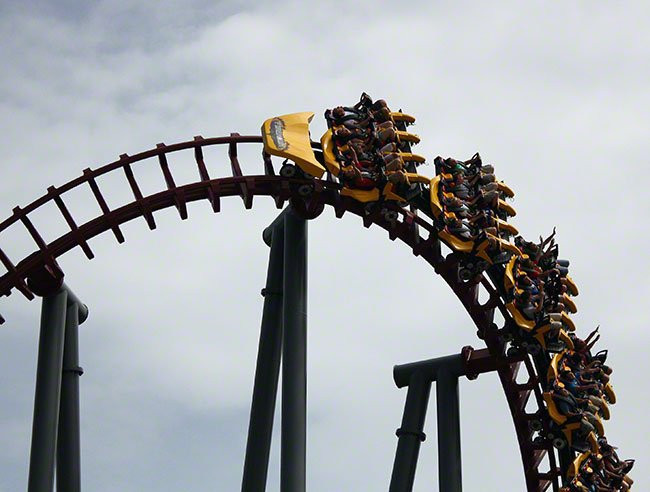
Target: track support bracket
418, 377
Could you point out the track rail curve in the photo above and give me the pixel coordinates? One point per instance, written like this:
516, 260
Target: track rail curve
38, 273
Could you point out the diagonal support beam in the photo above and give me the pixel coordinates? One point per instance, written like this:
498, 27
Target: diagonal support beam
267, 371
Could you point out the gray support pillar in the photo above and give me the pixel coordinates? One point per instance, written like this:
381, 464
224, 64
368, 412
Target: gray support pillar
68, 457
294, 353
48, 392
267, 372
449, 460
410, 434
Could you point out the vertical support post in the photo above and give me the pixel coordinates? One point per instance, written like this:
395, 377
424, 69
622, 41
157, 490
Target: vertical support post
449, 459
68, 456
293, 453
445, 372
48, 392
260, 428
410, 434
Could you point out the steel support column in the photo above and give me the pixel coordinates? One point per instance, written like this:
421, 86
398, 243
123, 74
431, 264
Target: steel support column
449, 458
68, 456
260, 428
48, 392
410, 434
294, 353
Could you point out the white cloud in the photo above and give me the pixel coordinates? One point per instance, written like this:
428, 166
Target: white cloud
553, 95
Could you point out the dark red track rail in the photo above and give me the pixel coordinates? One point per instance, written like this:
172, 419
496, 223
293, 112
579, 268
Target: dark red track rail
38, 273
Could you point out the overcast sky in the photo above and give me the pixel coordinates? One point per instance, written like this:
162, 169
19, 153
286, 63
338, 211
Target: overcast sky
554, 94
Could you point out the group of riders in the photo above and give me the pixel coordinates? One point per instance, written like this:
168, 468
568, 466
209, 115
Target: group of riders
473, 202
542, 289
580, 390
541, 294
372, 154
367, 144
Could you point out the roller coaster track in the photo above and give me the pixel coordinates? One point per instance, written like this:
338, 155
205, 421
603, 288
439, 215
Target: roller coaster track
38, 273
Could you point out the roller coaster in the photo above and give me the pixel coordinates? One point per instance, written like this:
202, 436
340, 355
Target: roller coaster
364, 165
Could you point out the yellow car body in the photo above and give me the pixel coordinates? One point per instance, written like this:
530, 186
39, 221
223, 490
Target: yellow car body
288, 136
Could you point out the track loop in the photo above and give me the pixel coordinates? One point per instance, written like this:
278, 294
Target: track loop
419, 233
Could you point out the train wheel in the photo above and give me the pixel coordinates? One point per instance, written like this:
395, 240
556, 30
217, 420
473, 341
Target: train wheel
288, 170
512, 351
559, 443
305, 190
390, 215
466, 274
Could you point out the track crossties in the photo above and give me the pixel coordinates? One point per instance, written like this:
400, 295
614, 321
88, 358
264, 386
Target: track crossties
38, 272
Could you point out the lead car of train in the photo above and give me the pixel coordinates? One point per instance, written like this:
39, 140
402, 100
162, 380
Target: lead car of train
368, 149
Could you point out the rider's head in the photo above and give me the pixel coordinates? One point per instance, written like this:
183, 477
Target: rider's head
338, 112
